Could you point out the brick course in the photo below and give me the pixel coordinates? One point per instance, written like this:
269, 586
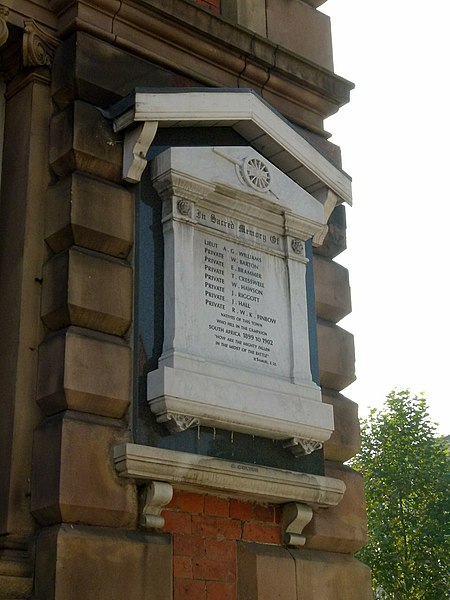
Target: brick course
205, 531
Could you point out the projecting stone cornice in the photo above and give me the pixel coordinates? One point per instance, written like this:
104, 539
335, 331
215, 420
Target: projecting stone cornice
234, 479
213, 51
244, 111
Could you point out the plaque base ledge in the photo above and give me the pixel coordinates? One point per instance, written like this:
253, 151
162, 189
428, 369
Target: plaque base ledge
204, 474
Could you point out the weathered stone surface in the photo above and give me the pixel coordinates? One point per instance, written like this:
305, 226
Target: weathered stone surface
92, 70
250, 14
332, 289
89, 213
82, 139
335, 241
265, 572
73, 478
345, 441
336, 356
25, 178
16, 579
74, 562
85, 371
87, 289
344, 527
286, 17
330, 576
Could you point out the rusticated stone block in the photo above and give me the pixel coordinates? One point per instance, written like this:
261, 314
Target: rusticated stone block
82, 139
16, 574
342, 528
345, 441
332, 290
331, 576
284, 17
335, 241
336, 356
86, 371
87, 289
74, 562
265, 572
73, 480
90, 213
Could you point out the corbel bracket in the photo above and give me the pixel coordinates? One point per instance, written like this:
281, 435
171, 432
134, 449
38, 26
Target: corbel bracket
294, 519
157, 495
136, 145
300, 447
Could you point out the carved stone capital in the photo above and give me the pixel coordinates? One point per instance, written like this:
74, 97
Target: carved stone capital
182, 187
157, 495
294, 519
4, 31
38, 46
300, 447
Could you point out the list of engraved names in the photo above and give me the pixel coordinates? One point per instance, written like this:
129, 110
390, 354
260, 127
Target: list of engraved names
241, 300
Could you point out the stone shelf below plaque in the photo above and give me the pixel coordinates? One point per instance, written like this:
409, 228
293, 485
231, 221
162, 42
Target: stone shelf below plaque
221, 477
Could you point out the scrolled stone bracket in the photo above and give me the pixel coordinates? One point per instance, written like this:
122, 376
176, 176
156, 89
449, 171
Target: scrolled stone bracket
38, 46
301, 447
295, 517
157, 495
136, 145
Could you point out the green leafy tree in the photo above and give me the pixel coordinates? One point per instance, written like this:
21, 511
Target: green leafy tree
406, 471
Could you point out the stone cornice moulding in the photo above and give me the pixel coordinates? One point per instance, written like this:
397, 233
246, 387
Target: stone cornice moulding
206, 47
244, 111
223, 477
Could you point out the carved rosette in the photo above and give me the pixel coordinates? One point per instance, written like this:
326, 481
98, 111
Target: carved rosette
184, 207
38, 46
301, 447
298, 247
256, 174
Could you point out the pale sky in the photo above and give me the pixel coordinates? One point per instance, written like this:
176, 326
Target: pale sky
394, 135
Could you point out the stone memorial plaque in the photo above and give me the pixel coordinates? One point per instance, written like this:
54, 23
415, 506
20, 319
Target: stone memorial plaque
236, 340
245, 318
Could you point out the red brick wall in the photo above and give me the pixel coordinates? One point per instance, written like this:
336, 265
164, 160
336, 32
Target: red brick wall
205, 532
213, 5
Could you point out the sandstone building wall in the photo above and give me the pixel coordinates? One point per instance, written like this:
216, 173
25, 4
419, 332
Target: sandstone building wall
69, 524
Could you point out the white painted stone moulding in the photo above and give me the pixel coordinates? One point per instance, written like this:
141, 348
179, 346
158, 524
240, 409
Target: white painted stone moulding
248, 114
221, 477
